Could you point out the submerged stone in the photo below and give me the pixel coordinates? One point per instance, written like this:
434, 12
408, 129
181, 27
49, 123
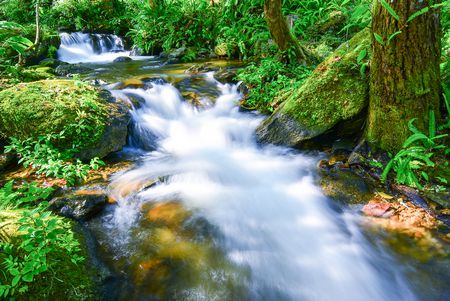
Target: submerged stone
334, 93
171, 214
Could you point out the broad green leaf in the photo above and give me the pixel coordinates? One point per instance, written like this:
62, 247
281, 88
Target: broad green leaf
15, 281
415, 137
411, 126
362, 70
28, 277
362, 54
378, 38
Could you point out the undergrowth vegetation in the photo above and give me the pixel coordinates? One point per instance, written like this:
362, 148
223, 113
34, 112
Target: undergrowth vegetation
48, 160
37, 238
415, 164
266, 78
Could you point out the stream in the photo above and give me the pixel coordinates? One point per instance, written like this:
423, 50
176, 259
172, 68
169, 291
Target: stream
206, 213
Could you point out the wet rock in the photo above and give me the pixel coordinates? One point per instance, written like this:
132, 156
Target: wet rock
177, 53
400, 216
344, 186
411, 194
141, 83
192, 98
377, 208
136, 51
122, 189
81, 205
65, 69
114, 136
442, 199
200, 68
225, 76
121, 59
50, 62
333, 94
243, 89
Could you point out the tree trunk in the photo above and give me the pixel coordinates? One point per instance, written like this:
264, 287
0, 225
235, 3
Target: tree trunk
280, 32
37, 39
405, 79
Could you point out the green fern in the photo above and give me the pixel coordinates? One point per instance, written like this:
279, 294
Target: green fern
415, 156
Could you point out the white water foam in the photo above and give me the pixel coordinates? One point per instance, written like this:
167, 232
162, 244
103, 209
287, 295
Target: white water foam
80, 47
274, 219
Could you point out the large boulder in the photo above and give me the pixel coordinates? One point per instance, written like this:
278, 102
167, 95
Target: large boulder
334, 93
90, 117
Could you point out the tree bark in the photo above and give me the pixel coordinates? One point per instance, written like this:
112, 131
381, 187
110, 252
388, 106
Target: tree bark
280, 32
405, 79
37, 39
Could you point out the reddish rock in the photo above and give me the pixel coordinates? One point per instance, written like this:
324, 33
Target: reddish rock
376, 207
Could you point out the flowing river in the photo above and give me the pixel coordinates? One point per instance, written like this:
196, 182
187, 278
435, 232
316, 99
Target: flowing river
206, 213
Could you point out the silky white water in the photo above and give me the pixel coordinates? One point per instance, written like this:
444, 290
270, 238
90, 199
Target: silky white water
273, 218
80, 47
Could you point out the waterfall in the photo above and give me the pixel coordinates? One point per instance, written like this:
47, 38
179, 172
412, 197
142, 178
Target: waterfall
78, 47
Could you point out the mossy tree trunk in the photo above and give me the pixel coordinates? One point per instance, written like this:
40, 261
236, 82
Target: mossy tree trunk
405, 80
280, 32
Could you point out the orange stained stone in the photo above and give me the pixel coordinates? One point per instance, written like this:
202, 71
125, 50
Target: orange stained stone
170, 213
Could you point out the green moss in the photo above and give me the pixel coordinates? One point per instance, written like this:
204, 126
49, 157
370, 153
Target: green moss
40, 73
50, 106
335, 91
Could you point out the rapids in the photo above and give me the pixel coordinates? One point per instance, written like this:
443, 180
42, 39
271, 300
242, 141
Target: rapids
206, 213
273, 219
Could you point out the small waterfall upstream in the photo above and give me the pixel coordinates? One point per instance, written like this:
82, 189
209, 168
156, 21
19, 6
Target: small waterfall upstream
272, 223
80, 47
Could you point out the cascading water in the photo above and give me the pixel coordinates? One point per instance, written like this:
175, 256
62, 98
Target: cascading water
80, 47
275, 225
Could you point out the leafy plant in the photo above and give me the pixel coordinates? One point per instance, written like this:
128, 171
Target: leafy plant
411, 162
45, 158
42, 235
24, 195
267, 79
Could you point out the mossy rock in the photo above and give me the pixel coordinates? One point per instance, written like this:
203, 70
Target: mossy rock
335, 92
89, 116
